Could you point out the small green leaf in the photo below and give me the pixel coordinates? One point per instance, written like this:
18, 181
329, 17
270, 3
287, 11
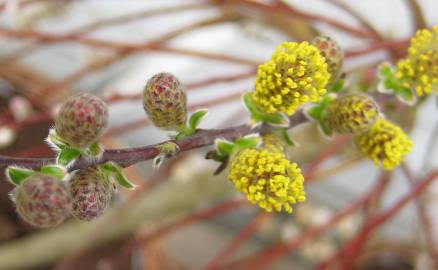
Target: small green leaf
390, 83
285, 135
224, 147
337, 86
123, 181
95, 149
196, 118
53, 170
317, 113
17, 175
249, 104
249, 141
116, 171
276, 119
67, 155
55, 141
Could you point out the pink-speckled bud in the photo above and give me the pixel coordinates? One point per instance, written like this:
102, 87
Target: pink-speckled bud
42, 201
81, 120
332, 53
91, 194
165, 101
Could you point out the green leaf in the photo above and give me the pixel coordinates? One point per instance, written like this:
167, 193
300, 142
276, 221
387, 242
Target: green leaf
224, 147
55, 141
337, 86
196, 118
390, 83
116, 171
67, 155
17, 175
53, 170
123, 181
249, 104
95, 149
249, 141
317, 113
285, 135
277, 119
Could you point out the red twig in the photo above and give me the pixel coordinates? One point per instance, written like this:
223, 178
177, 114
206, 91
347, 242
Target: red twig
424, 218
350, 250
240, 238
262, 259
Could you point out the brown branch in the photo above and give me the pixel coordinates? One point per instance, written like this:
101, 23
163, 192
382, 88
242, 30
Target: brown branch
359, 17
130, 156
424, 218
62, 38
354, 246
418, 18
261, 259
127, 18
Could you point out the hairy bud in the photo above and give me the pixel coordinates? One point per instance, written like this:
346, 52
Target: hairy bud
81, 120
42, 201
165, 101
91, 194
351, 114
332, 53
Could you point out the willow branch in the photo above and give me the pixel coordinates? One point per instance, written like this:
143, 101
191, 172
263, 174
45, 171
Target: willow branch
417, 14
65, 38
130, 156
350, 249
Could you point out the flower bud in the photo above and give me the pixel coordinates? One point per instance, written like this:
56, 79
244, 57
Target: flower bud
165, 101
42, 201
351, 114
81, 120
91, 194
332, 53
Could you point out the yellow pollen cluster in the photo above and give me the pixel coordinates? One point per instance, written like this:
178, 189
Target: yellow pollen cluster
385, 143
351, 114
268, 179
419, 70
296, 74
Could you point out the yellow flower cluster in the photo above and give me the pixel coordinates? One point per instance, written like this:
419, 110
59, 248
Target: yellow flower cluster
419, 70
384, 143
296, 74
351, 114
268, 179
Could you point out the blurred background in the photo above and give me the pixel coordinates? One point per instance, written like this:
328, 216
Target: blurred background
183, 217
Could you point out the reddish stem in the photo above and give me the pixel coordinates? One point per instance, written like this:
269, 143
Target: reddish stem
263, 258
240, 238
350, 250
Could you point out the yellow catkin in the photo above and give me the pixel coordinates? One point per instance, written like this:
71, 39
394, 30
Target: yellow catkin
268, 179
351, 114
419, 70
296, 74
384, 143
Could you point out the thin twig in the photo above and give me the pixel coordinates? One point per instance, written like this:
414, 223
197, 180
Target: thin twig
419, 21
261, 259
129, 156
240, 238
424, 218
354, 246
